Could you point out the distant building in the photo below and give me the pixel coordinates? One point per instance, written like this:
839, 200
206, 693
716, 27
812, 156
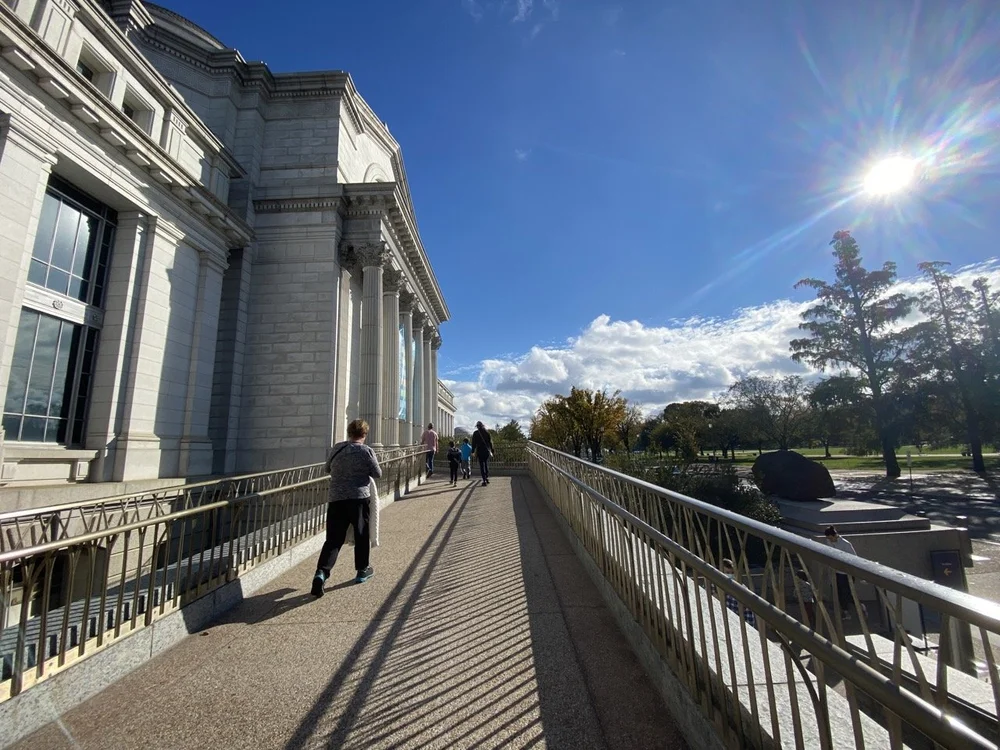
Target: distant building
205, 267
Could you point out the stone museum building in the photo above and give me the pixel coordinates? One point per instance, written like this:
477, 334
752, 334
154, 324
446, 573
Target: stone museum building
205, 267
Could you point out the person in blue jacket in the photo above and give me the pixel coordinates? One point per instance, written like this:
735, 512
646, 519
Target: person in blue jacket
466, 449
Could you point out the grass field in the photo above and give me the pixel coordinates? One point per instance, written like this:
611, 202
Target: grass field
942, 459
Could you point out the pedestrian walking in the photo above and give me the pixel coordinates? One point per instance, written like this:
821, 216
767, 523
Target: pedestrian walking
352, 465
731, 601
466, 456
482, 446
430, 441
844, 596
808, 597
454, 461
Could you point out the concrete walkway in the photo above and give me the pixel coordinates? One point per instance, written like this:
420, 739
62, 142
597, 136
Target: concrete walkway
480, 629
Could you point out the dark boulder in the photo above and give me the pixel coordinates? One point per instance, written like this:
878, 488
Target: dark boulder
792, 476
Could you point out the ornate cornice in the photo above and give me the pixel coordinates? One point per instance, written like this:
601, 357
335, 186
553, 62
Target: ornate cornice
293, 205
368, 205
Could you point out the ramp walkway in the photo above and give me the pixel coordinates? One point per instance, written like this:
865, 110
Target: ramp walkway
480, 629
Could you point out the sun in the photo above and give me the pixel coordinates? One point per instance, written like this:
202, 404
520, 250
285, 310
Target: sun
891, 175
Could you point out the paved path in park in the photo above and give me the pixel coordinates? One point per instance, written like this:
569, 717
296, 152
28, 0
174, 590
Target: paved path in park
480, 629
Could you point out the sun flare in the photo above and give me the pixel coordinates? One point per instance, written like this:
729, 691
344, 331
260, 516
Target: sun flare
890, 175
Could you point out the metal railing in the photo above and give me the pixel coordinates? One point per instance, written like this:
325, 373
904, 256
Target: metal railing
67, 597
34, 526
767, 666
508, 456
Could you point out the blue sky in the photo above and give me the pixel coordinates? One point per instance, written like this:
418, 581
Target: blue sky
673, 166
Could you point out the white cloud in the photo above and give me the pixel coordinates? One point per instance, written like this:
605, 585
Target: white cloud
474, 8
652, 365
515, 11
521, 154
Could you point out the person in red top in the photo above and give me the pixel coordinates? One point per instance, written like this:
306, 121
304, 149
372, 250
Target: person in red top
430, 441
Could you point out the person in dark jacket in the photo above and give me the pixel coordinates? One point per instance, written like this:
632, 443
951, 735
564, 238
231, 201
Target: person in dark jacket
482, 446
454, 462
352, 466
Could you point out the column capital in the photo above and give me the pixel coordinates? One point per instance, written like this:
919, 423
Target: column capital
435, 341
391, 280
419, 320
372, 254
407, 299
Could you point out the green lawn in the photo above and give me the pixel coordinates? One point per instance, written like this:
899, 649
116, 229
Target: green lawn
926, 462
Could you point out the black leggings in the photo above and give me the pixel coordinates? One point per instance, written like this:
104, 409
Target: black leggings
339, 516
454, 471
484, 468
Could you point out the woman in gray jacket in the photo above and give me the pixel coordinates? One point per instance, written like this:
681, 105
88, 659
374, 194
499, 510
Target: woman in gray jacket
351, 464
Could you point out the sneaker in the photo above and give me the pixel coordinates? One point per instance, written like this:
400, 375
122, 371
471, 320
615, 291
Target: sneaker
364, 575
318, 580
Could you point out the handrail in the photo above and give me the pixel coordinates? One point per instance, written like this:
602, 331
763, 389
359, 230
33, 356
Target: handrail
926, 717
958, 603
18, 554
24, 528
64, 598
661, 553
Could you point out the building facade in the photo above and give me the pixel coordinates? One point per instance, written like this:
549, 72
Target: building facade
205, 267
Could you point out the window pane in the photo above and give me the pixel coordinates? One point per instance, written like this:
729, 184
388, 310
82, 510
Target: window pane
65, 242
46, 226
58, 280
42, 366
102, 266
55, 430
69, 343
12, 426
77, 288
33, 429
36, 272
86, 242
17, 384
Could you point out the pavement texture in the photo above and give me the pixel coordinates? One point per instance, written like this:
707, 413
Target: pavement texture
479, 629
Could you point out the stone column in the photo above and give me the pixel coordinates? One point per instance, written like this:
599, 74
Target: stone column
435, 345
25, 164
137, 446
430, 387
372, 258
391, 279
406, 320
419, 389
344, 353
196, 447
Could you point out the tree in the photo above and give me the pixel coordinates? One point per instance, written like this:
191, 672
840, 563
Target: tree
583, 419
777, 405
836, 405
855, 323
950, 342
629, 425
510, 432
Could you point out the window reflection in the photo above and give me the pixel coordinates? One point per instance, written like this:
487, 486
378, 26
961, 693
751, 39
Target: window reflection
53, 362
73, 241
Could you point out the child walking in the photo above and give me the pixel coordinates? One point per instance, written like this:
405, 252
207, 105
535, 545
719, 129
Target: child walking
454, 459
466, 458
